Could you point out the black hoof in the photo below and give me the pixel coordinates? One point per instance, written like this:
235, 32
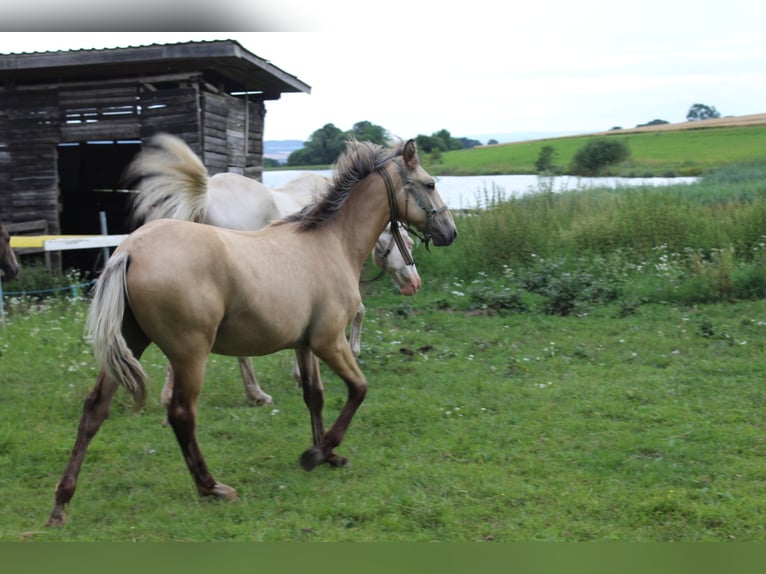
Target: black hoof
312, 458
337, 461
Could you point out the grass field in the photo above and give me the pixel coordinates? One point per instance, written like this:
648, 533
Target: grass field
583, 366
478, 426
660, 153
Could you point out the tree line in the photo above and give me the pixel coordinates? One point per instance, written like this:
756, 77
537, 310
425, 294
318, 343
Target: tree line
326, 144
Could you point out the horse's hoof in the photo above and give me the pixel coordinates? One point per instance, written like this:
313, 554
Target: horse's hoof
260, 400
336, 461
222, 491
315, 456
55, 519
312, 458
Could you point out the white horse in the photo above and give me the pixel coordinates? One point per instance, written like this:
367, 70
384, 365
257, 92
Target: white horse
173, 183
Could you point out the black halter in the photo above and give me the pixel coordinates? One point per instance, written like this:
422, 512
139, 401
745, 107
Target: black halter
396, 222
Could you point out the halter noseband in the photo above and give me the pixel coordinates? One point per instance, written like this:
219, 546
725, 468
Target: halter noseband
431, 213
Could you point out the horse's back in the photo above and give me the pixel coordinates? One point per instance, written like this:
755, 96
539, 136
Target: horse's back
239, 202
306, 188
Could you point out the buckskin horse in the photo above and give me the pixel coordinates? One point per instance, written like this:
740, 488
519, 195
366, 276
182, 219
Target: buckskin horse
195, 289
172, 182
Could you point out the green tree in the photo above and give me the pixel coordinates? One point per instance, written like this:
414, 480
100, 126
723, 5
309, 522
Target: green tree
702, 112
367, 131
438, 141
448, 142
656, 122
597, 154
545, 159
323, 147
427, 144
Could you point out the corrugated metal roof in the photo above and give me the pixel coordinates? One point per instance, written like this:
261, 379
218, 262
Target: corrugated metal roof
221, 62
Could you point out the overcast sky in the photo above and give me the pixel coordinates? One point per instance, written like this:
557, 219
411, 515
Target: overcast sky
489, 68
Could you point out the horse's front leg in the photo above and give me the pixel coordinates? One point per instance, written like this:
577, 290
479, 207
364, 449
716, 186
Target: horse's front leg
95, 411
253, 390
340, 358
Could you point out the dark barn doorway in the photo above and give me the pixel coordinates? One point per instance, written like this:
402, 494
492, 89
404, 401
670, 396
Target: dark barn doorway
91, 181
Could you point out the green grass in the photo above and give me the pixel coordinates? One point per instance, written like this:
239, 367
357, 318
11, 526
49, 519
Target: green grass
584, 366
670, 153
490, 427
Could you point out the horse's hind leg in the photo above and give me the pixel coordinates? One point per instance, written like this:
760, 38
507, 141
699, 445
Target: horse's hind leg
313, 396
253, 390
182, 415
95, 412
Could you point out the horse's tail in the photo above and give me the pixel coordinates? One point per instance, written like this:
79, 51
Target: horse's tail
104, 326
170, 179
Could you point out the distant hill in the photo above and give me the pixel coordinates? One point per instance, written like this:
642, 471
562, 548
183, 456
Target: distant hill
726, 122
280, 149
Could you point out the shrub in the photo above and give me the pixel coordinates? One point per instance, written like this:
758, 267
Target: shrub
598, 154
544, 161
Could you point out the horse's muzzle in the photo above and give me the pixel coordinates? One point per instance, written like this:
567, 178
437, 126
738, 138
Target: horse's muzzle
443, 235
10, 271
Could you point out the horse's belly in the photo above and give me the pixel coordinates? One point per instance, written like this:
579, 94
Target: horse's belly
243, 337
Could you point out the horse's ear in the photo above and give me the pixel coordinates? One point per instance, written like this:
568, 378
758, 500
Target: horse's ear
411, 154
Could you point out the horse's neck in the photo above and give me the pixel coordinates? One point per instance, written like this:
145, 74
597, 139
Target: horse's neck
363, 218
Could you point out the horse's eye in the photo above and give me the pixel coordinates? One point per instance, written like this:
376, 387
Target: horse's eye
430, 186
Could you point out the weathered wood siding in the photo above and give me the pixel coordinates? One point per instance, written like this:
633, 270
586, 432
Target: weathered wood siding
28, 168
225, 131
232, 131
92, 113
173, 110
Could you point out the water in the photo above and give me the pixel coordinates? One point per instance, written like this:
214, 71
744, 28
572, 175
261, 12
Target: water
465, 192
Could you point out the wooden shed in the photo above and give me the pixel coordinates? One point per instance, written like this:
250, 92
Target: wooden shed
71, 121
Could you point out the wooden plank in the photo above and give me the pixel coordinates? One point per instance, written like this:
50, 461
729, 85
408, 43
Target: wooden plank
94, 242
65, 242
118, 127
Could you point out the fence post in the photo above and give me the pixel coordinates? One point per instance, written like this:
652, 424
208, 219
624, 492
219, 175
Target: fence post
104, 250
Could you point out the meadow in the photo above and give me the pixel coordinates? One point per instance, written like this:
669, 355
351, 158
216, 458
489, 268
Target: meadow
653, 153
579, 366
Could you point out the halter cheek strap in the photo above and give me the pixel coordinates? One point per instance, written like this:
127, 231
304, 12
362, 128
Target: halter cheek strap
394, 211
431, 212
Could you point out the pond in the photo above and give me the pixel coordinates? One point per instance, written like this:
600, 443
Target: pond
466, 192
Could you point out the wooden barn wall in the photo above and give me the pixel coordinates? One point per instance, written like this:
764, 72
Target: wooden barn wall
225, 131
28, 169
215, 119
254, 160
91, 114
172, 110
232, 131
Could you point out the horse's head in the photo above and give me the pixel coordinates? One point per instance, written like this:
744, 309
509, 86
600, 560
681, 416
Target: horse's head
417, 202
389, 259
8, 263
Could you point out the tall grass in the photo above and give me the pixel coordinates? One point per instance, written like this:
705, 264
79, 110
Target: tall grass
712, 233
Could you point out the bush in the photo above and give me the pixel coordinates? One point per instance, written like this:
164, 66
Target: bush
598, 154
36, 281
544, 161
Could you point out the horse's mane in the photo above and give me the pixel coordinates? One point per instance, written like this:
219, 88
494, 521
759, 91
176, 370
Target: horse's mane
357, 161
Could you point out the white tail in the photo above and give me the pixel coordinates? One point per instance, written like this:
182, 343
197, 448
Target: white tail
105, 329
173, 181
